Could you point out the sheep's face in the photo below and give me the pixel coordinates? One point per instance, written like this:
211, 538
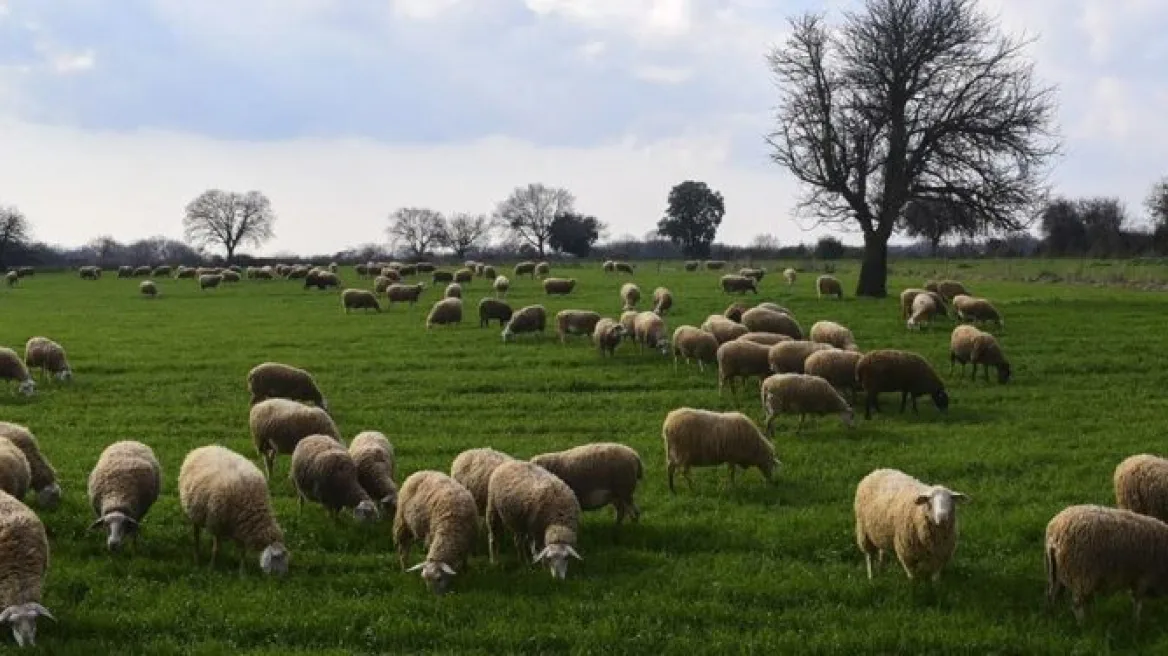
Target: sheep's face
436, 575
1004, 374
366, 511
555, 556
939, 505
848, 417
64, 374
941, 400
389, 504
27, 387
23, 618
274, 560
49, 496
769, 467
119, 525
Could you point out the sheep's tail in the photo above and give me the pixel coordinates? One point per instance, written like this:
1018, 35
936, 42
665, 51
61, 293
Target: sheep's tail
640, 468
1052, 584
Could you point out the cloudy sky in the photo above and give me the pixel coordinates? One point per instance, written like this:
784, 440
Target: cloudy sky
114, 114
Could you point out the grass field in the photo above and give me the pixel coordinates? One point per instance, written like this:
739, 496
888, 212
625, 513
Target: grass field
720, 569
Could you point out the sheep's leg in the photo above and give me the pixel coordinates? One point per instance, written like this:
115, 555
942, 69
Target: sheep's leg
403, 550
733, 470
242, 551
619, 507
903, 400
868, 561
701, 365
770, 423
269, 462
197, 533
802, 418
1079, 606
634, 512
869, 403
985, 370
494, 532
688, 480
914, 403
670, 469
214, 549
1137, 606
518, 541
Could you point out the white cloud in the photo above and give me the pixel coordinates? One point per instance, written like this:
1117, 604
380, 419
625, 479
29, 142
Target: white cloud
65, 63
593, 50
424, 9
662, 74
647, 19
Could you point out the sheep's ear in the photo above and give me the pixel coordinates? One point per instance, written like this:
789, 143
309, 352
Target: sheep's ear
572, 553
923, 499
42, 611
447, 568
959, 496
540, 556
416, 567
97, 523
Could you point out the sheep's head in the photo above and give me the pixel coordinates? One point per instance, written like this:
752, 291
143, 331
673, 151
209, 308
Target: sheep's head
556, 557
941, 400
23, 620
118, 524
436, 575
507, 334
366, 511
939, 504
389, 503
274, 559
64, 374
769, 467
848, 417
1003, 373
49, 496
27, 387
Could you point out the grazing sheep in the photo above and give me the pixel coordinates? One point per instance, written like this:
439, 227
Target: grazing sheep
734, 312
324, 472
407, 269
277, 425
690, 343
829, 286
649, 332
398, 293
766, 339
968, 344
575, 322
529, 319
975, 310
464, 276
12, 368
359, 299
723, 329
692, 265
543, 269
26, 271
24, 558
445, 312
558, 286
662, 301
608, 266
453, 290
701, 438
275, 380
473, 468
830, 332
791, 357
89, 272
501, 286
148, 289
756, 274
123, 485
425, 267
715, 265
765, 320
743, 360
48, 356
43, 479
525, 268
890, 370
393, 275
142, 271
320, 279
538, 509
442, 277
607, 335
489, 273
376, 467
775, 307
599, 474
789, 275
837, 367
918, 522
223, 492
623, 267
628, 321
739, 285
948, 289
492, 309
14, 470
233, 276
12, 277
906, 301
1141, 485
802, 394
439, 512
380, 284
125, 271
209, 281
630, 295
924, 307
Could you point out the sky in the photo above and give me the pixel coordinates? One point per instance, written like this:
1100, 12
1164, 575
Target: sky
114, 115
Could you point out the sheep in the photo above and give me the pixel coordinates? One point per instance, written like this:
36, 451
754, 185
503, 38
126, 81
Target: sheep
1093, 549
756, 273
947, 289
599, 474
89, 272
141, 271
446, 311
122, 487
630, 295
607, 335
918, 522
441, 277
662, 301
276, 380
12, 277
715, 265
542, 269
741, 360
13, 368
826, 285
608, 266
490, 274
538, 509
723, 329
392, 275
209, 281
464, 276
624, 267
43, 478
830, 332
529, 319
701, 438
425, 267
380, 284
1141, 485
453, 290
233, 276
974, 310
184, 272
924, 307
968, 344
649, 332
692, 265
766, 339
472, 468
734, 312
525, 268
407, 269
775, 307
802, 394
437, 511
223, 492
15, 473
789, 275
558, 286
837, 367
765, 320
791, 357
889, 370
359, 299
628, 321
398, 293
575, 322
492, 309
148, 289
739, 284
26, 271
376, 467
324, 472
501, 286
321, 279
909, 295
277, 425
48, 356
692, 343
24, 558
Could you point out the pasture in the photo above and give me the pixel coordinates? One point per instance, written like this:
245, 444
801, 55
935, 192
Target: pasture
717, 569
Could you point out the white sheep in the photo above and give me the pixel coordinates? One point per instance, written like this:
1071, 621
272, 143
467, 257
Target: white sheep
538, 509
209, 281
830, 332
376, 467
24, 558
967, 344
324, 472
48, 356
14, 470
690, 343
123, 486
438, 511
447, 311
649, 332
789, 275
148, 289
630, 295
277, 425
472, 468
662, 300
269, 380
836, 367
1141, 485
599, 474
738, 359
501, 286
529, 319
13, 368
701, 438
802, 394
359, 299
765, 320
723, 329
826, 285
43, 480
575, 322
607, 336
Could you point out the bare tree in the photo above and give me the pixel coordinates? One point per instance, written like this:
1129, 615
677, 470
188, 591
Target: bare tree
910, 100
14, 231
417, 229
466, 232
229, 219
530, 210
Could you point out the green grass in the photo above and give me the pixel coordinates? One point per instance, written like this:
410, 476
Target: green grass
750, 568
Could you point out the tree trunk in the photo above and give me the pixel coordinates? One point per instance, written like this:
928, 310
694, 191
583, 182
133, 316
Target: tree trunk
230, 252
874, 268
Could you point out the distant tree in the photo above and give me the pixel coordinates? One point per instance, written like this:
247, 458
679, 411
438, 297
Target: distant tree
416, 229
529, 212
933, 220
692, 217
1157, 203
14, 232
908, 100
574, 233
1062, 228
103, 249
765, 243
1104, 220
829, 248
464, 233
229, 219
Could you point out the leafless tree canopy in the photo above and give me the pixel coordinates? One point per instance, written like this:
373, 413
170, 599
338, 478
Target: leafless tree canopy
530, 210
14, 230
416, 229
229, 219
466, 232
910, 100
